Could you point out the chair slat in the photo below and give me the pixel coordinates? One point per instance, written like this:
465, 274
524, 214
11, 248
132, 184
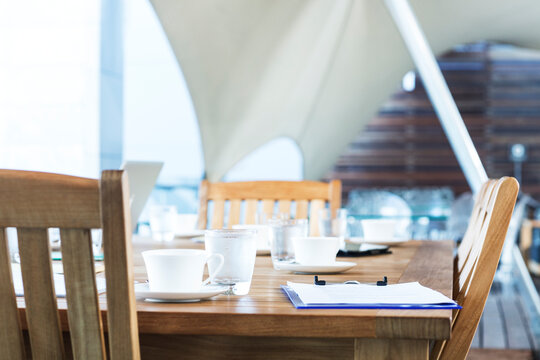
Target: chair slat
467, 261
284, 207
202, 220
251, 211
302, 209
234, 213
121, 307
475, 224
316, 206
37, 200
278, 190
218, 215
83, 309
11, 340
268, 208
41, 309
334, 193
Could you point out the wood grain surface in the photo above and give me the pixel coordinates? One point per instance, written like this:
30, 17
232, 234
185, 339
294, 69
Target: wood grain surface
47, 200
42, 316
264, 324
121, 317
266, 311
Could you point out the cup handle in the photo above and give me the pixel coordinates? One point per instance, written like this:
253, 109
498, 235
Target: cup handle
211, 277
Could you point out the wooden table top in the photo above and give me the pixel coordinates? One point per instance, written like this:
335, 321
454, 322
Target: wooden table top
266, 311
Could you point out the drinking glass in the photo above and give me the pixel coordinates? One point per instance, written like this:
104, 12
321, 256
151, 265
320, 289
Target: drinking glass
239, 249
333, 227
281, 233
329, 226
163, 222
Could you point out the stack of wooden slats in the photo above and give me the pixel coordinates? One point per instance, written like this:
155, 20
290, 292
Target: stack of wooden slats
497, 91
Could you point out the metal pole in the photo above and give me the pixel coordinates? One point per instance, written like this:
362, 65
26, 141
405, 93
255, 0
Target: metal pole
111, 94
438, 93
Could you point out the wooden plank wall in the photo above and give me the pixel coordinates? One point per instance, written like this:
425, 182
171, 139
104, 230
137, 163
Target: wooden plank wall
405, 146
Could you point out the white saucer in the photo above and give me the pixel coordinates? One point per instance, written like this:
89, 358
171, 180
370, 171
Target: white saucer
337, 267
189, 233
142, 291
387, 242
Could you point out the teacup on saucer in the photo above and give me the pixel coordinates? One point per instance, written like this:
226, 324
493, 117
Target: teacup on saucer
178, 270
379, 229
316, 250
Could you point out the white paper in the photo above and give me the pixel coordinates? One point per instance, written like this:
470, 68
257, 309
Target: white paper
59, 283
407, 293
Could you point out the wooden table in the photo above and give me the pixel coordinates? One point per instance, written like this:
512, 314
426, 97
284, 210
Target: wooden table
264, 324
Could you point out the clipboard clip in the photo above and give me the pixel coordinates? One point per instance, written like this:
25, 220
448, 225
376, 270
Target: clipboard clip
321, 282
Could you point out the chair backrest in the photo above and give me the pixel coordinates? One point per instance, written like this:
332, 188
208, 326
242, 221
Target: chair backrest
32, 202
476, 222
308, 197
476, 263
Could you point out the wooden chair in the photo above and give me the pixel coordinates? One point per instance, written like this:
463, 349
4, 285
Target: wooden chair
32, 202
308, 196
473, 230
476, 263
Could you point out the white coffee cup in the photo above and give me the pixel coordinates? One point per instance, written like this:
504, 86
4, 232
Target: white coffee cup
178, 270
316, 250
379, 229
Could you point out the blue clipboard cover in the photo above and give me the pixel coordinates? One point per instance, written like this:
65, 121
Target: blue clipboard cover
295, 300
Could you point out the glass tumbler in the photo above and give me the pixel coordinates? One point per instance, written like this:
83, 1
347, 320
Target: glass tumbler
163, 222
239, 249
281, 233
334, 227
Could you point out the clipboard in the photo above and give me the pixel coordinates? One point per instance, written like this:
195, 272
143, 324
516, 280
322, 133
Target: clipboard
298, 304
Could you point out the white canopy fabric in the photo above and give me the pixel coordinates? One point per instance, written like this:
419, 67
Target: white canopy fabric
312, 70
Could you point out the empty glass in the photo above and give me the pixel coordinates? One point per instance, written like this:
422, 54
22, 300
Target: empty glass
329, 226
281, 233
163, 222
239, 249
334, 227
